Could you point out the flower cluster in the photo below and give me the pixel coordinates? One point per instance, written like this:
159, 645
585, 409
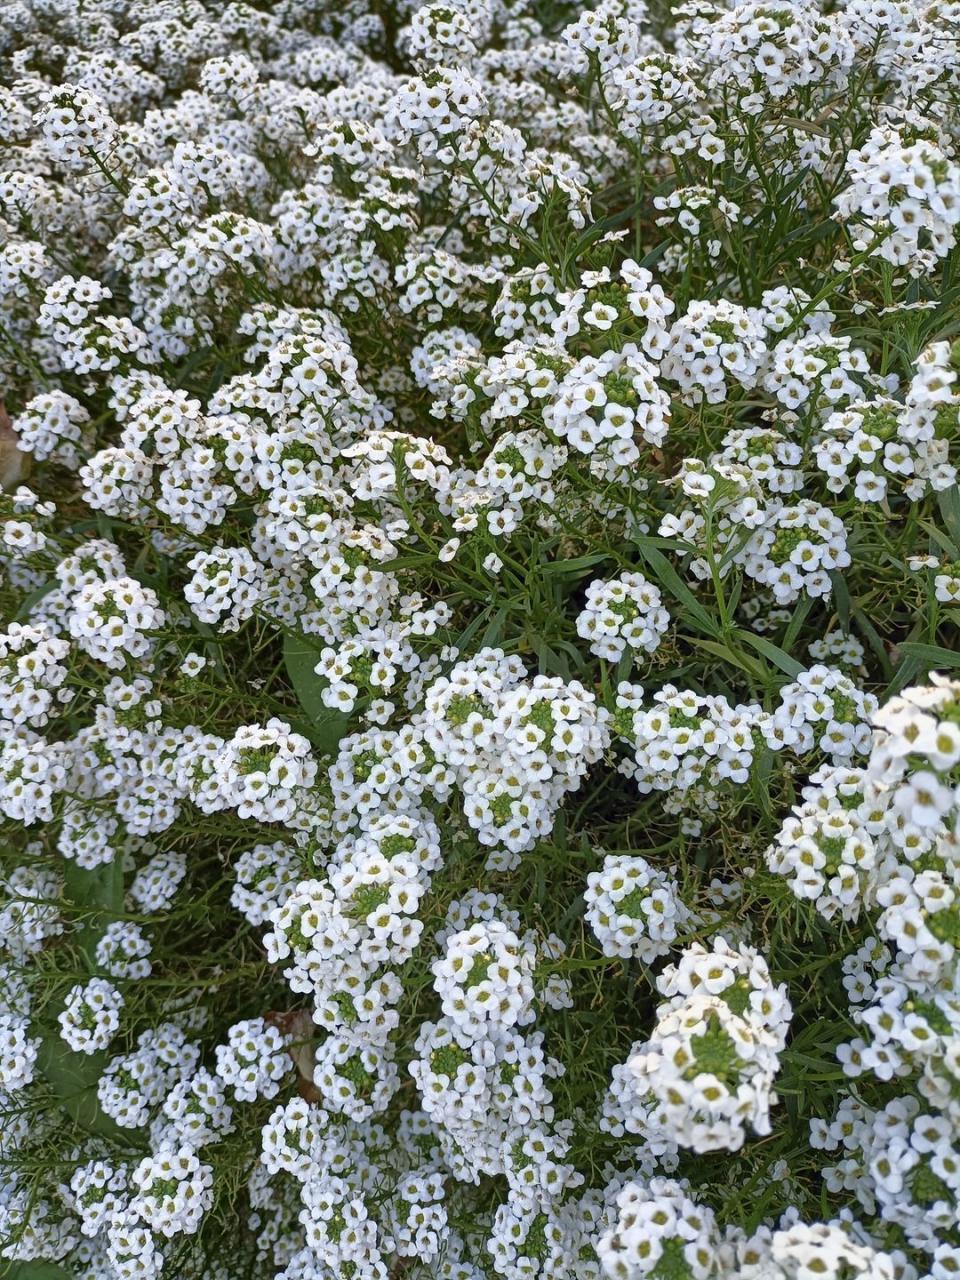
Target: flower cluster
707, 1072
625, 613
634, 909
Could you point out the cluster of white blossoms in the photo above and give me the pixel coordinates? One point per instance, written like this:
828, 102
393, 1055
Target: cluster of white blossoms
91, 1016
478, 533
343, 936
879, 837
32, 674
825, 847
904, 192
626, 613
658, 1229
261, 771
885, 835
634, 909
823, 709
513, 747
108, 620
714, 342
253, 1061
796, 551
659, 1226
706, 1074
685, 739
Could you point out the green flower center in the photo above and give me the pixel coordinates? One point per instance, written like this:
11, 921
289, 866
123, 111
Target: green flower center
448, 1060
367, 900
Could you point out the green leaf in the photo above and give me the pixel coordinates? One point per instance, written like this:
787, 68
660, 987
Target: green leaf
722, 651
841, 597
949, 503
73, 1077
494, 631
549, 661
917, 660
651, 258
324, 726
671, 581
32, 599
416, 560
563, 567
771, 651
96, 898
600, 229
471, 629
796, 622
943, 543
33, 1271
930, 656
872, 636
760, 780
907, 671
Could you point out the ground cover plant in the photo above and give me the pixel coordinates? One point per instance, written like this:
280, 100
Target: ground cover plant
480, 573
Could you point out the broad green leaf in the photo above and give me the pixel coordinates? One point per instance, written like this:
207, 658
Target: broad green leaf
97, 898
564, 646
416, 560
943, 544
736, 591
906, 673
760, 780
324, 726
34, 598
74, 1077
471, 629
549, 661
677, 545
655, 254
33, 1271
494, 632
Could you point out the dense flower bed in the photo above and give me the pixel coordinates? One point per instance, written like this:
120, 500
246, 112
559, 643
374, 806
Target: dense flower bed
480, 569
